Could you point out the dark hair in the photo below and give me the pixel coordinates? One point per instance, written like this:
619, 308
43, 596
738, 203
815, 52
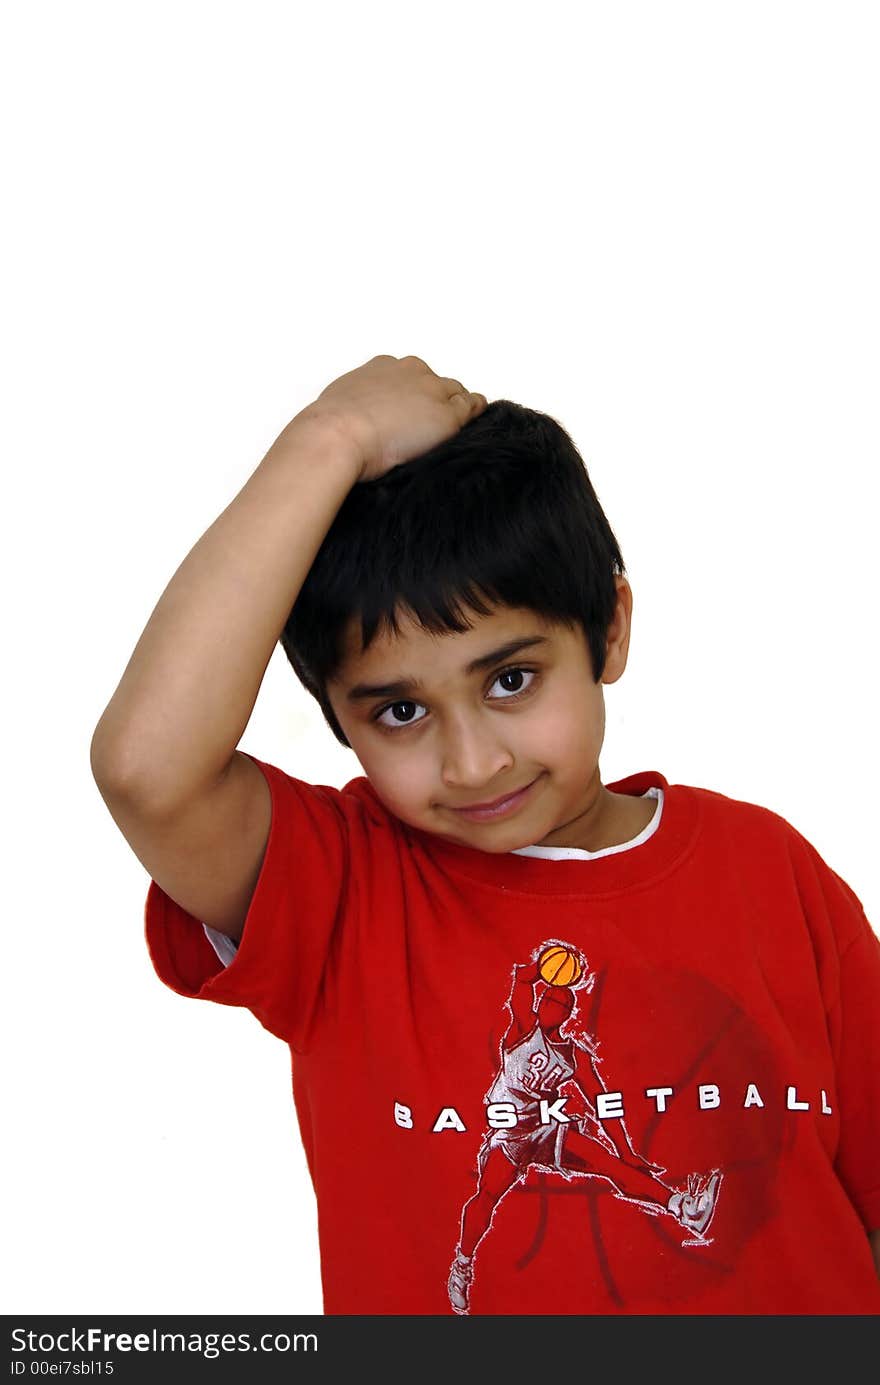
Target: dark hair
503, 512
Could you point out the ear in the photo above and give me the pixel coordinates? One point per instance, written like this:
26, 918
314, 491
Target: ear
617, 639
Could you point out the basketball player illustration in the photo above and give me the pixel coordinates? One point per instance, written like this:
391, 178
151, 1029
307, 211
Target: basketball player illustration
539, 1064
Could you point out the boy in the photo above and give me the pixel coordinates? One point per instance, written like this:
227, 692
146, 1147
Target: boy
557, 1047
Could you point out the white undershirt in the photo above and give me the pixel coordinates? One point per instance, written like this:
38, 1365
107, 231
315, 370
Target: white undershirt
575, 853
226, 947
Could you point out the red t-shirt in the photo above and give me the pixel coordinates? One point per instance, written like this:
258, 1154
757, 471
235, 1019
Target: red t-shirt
687, 1124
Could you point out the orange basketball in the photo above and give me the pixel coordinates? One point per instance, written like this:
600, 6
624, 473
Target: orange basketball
559, 967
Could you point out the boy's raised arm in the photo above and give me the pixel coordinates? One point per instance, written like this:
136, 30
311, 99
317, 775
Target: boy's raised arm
195, 811
171, 728
187, 693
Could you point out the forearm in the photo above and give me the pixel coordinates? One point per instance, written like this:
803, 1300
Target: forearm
189, 688
522, 1000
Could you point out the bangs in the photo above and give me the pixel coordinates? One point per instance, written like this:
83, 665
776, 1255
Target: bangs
439, 611
440, 543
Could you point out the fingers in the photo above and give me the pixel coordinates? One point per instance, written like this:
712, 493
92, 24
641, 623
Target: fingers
470, 400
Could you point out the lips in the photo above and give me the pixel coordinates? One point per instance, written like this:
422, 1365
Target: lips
501, 806
496, 802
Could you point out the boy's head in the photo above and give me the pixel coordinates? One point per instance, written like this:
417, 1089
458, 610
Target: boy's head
492, 538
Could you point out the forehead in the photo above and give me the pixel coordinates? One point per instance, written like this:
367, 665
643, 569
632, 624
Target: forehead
415, 651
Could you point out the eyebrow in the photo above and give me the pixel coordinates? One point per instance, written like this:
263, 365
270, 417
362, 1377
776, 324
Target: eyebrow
407, 685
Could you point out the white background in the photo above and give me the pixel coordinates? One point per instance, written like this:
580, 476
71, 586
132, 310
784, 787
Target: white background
656, 222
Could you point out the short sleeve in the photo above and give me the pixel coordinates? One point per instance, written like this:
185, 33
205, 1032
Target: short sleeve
301, 898
857, 1025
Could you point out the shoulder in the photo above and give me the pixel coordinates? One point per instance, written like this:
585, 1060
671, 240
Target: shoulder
360, 798
721, 812
353, 809
770, 845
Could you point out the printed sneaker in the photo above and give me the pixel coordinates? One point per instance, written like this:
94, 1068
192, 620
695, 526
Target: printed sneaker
695, 1207
460, 1278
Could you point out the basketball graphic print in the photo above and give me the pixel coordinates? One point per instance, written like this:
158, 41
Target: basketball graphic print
559, 966
592, 1153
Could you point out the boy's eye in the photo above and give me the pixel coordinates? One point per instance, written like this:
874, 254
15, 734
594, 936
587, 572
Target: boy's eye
408, 717
516, 674
387, 717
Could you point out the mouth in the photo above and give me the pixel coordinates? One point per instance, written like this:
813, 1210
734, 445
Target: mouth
482, 812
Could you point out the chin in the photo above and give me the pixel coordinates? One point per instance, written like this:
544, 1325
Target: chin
494, 841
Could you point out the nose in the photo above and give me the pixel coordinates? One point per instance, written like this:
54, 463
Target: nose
472, 758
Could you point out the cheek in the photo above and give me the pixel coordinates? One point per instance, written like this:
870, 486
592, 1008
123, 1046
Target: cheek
399, 780
571, 726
